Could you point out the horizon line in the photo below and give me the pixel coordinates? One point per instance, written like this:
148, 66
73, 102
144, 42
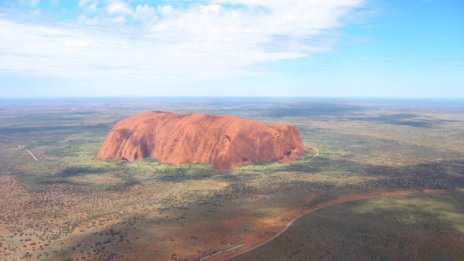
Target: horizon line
232, 97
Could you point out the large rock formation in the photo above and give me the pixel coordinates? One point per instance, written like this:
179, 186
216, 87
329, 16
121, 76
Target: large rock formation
223, 141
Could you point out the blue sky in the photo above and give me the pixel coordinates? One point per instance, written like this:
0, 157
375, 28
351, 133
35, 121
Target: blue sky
334, 48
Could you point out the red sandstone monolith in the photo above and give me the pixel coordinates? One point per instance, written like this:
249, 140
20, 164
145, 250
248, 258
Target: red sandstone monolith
223, 141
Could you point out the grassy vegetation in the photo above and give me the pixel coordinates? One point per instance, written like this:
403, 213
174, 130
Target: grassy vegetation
69, 205
415, 227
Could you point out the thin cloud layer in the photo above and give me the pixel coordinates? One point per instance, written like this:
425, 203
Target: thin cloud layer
196, 40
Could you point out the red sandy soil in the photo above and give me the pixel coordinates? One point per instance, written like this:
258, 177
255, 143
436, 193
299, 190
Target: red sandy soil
286, 219
223, 141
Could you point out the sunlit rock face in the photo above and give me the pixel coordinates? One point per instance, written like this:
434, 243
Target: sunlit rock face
223, 141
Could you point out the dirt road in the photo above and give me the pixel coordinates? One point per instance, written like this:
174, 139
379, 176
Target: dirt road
32, 155
250, 246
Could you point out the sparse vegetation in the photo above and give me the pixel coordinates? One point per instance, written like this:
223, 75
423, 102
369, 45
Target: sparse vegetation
422, 226
67, 205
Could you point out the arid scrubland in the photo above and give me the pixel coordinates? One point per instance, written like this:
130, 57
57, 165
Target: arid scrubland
69, 206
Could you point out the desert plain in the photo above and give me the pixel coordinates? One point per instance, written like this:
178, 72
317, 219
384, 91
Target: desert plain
383, 180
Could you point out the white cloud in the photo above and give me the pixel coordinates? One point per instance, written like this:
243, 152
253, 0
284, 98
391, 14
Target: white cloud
118, 8
139, 12
143, 12
36, 12
84, 19
89, 5
199, 41
118, 20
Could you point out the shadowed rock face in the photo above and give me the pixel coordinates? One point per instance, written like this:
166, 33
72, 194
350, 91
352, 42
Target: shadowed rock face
223, 141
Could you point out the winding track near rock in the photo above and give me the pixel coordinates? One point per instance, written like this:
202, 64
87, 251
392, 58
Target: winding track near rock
227, 255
